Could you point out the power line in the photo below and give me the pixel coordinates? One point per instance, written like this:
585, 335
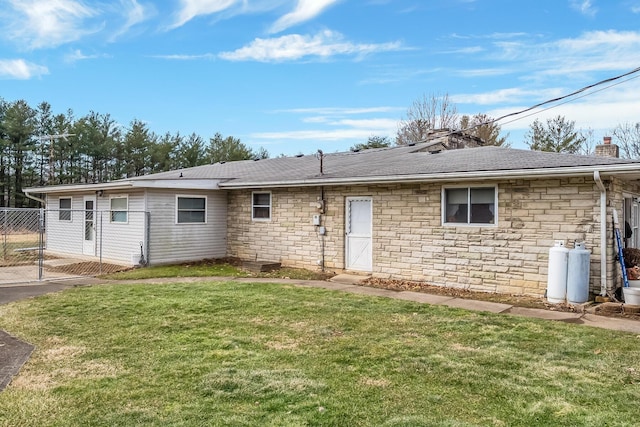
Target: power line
571, 100
560, 98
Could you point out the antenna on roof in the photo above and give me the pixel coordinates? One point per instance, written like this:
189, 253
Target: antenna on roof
320, 157
51, 139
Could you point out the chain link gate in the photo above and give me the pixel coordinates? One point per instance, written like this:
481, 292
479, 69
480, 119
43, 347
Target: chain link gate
39, 244
22, 236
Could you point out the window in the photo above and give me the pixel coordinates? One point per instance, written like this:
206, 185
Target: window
261, 206
64, 206
119, 206
469, 205
191, 209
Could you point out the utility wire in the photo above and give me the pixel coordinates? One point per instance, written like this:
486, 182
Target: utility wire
560, 98
571, 100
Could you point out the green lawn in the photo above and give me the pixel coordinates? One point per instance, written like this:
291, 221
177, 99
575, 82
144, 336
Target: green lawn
275, 355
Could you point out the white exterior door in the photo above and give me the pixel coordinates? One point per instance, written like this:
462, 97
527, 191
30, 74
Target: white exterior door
89, 229
358, 240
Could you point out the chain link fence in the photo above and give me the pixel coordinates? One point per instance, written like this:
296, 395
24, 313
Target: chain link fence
39, 244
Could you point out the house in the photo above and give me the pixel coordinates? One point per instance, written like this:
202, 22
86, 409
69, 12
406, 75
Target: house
479, 218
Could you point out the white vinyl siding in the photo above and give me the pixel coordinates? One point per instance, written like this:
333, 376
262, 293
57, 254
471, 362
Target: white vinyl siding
117, 241
171, 242
121, 240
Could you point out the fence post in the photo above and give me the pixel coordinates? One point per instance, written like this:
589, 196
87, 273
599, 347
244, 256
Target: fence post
5, 231
41, 244
147, 217
100, 237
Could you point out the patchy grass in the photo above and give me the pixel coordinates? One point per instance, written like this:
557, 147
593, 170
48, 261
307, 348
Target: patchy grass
18, 249
210, 268
268, 354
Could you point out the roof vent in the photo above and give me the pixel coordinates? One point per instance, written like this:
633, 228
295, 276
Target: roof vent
355, 150
256, 159
299, 155
434, 151
411, 144
222, 162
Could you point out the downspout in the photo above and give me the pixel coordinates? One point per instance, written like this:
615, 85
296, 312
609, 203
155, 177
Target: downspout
37, 199
603, 233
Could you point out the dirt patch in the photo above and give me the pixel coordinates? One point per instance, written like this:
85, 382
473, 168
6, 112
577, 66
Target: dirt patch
88, 268
607, 309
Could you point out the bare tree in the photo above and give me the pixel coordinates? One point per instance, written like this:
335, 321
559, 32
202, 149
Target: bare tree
628, 138
587, 147
429, 113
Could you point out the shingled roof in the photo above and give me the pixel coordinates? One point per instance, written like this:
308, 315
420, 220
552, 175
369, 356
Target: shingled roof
396, 164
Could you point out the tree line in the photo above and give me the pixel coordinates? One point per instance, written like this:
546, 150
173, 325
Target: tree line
38, 147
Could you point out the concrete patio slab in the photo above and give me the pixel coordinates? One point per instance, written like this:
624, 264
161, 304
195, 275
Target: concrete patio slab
349, 279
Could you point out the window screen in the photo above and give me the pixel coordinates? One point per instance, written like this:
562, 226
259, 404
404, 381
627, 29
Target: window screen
64, 212
261, 206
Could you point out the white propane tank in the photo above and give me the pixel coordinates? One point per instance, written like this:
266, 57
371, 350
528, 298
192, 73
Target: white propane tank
557, 274
578, 274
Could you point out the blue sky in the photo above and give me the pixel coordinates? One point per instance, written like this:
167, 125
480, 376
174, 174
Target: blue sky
294, 76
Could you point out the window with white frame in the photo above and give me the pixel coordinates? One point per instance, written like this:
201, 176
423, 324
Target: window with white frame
469, 205
64, 209
119, 206
261, 206
191, 209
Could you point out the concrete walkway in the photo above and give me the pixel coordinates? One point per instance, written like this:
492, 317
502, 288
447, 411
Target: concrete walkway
14, 353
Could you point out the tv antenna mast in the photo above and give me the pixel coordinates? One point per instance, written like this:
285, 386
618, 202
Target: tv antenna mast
51, 139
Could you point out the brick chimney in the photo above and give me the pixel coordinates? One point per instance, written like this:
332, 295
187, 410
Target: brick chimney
607, 149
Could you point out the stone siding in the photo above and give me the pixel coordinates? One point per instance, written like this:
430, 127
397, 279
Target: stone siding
410, 241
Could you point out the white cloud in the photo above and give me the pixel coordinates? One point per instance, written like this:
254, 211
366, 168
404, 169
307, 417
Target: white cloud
304, 11
318, 135
333, 111
47, 23
193, 8
19, 69
600, 110
78, 55
590, 52
182, 57
505, 96
134, 14
584, 7
484, 72
347, 125
294, 46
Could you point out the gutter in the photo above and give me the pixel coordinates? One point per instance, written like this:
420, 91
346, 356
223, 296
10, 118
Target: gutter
603, 233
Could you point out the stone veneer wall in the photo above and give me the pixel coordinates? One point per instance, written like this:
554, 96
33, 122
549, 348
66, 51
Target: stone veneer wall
410, 242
